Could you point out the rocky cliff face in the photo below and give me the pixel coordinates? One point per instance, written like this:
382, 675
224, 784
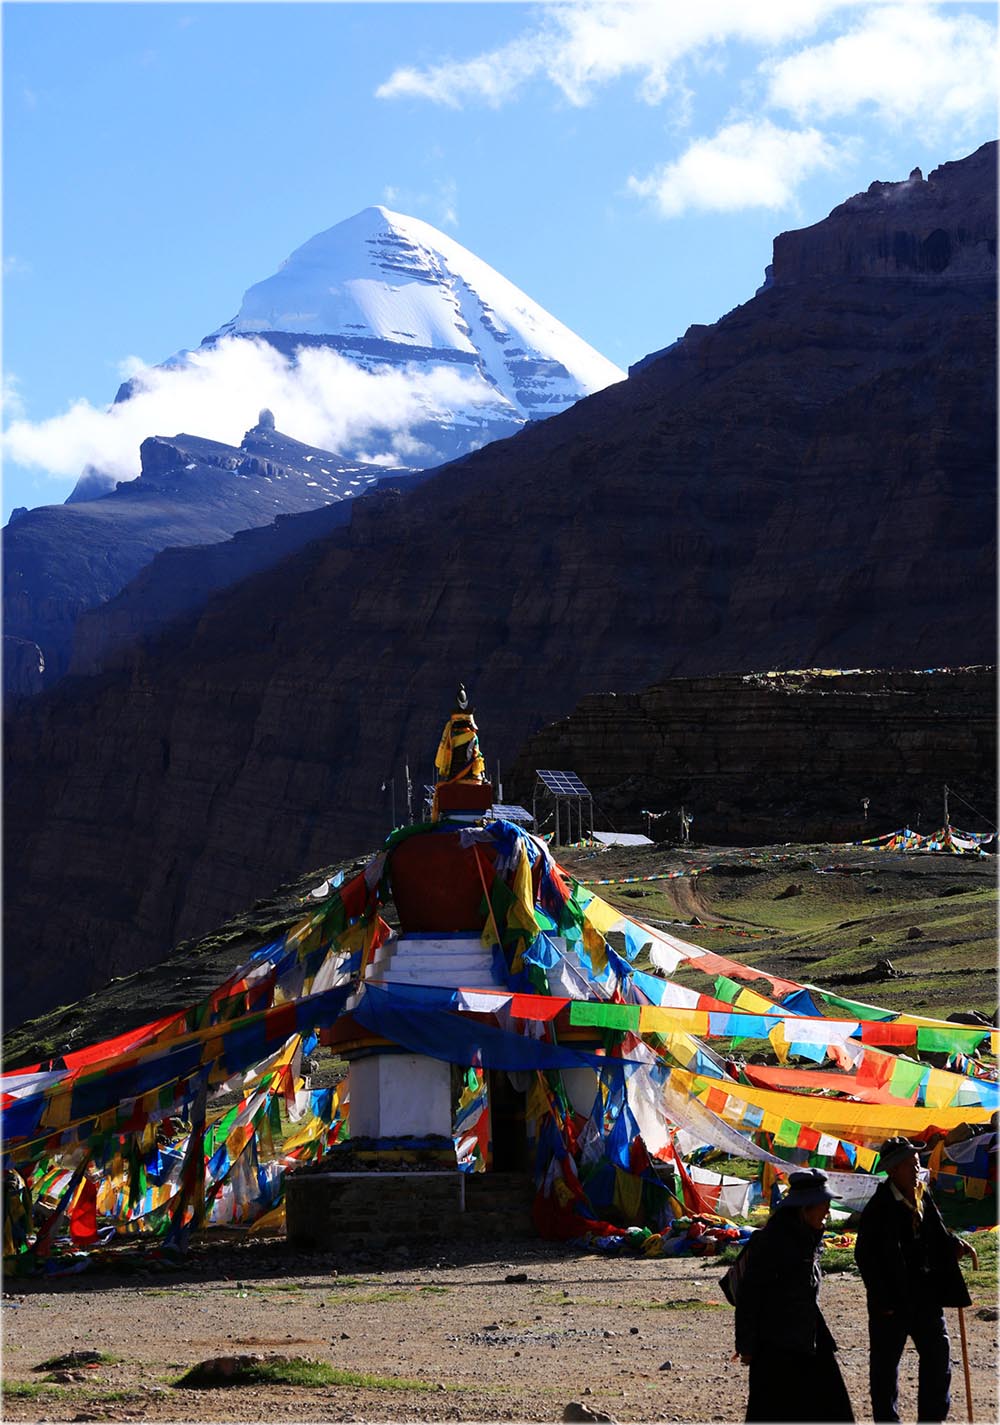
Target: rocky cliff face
767, 757
918, 229
808, 483
61, 560
23, 667
178, 582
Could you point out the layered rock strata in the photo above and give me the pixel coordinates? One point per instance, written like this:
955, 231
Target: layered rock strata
808, 483
61, 560
782, 756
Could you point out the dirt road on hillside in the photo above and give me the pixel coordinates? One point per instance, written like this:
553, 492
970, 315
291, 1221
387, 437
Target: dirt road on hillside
633, 1339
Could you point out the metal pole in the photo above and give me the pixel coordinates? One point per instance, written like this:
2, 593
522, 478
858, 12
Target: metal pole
392, 783
946, 806
555, 839
591, 800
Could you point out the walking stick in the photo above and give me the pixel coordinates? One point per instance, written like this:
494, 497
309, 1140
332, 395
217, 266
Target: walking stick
965, 1344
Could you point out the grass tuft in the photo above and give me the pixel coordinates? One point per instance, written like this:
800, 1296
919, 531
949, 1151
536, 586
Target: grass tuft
368, 1297
296, 1371
838, 1259
29, 1389
984, 1281
76, 1358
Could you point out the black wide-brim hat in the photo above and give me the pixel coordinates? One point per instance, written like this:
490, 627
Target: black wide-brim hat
895, 1151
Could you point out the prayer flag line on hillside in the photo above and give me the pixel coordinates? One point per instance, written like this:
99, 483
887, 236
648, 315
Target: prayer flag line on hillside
109, 1104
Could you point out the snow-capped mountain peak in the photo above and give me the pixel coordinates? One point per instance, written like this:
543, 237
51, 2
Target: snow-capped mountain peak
382, 286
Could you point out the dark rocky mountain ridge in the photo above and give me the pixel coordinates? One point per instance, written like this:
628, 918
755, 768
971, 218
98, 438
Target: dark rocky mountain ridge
808, 483
792, 755
60, 560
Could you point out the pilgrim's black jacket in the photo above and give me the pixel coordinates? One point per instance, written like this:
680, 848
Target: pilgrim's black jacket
778, 1304
901, 1268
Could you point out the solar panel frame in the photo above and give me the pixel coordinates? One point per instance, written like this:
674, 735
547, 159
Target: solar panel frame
562, 784
511, 811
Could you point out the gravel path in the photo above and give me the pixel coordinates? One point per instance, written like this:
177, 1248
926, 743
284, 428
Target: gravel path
629, 1338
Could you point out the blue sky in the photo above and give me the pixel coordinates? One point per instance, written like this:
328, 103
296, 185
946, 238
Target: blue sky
626, 164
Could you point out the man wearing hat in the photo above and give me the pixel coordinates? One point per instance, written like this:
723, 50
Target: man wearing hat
780, 1331
909, 1262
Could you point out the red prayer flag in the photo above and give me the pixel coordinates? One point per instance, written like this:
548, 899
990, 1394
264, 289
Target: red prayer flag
889, 1035
540, 1007
83, 1214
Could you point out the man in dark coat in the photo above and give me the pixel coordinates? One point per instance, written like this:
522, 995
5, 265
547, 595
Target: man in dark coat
909, 1262
780, 1331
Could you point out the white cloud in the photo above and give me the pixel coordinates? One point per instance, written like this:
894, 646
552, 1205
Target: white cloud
11, 401
321, 399
751, 164
14, 266
912, 63
448, 198
579, 46
490, 78
437, 204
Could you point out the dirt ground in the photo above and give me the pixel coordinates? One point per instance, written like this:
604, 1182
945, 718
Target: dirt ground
629, 1338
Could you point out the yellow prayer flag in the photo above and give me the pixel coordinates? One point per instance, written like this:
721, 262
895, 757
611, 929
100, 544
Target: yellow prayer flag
857, 1122
521, 914
602, 916
212, 1050
537, 1104
753, 1003
657, 1019
779, 1043
353, 939
681, 1048
56, 1113
595, 946
939, 1091
273, 1221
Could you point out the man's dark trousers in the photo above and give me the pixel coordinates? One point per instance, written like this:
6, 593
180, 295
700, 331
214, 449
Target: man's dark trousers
924, 1323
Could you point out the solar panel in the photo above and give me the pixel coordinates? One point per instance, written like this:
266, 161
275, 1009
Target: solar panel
562, 784
510, 811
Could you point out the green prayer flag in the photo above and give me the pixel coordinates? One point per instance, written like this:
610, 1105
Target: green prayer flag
787, 1135
726, 989
852, 1009
931, 1040
604, 1016
905, 1078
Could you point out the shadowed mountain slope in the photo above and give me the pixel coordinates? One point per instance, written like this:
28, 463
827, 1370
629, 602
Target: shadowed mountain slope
60, 560
808, 483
